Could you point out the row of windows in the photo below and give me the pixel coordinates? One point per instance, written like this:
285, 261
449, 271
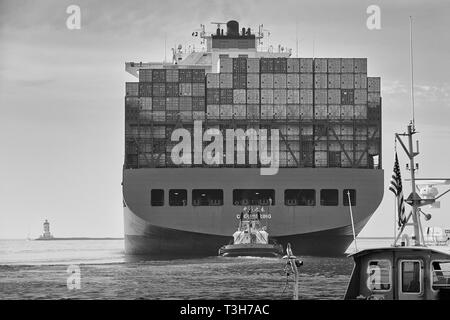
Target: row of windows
244, 197
380, 278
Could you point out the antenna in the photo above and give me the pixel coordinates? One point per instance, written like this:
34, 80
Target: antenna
296, 39
412, 68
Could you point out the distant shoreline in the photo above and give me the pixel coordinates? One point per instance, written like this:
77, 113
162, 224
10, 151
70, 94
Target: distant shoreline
77, 238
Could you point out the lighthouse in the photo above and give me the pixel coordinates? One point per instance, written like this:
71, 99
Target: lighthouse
46, 234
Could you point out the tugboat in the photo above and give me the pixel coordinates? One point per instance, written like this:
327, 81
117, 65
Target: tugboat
251, 237
405, 272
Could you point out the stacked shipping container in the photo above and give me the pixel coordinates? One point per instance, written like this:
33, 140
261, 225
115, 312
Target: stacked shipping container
327, 110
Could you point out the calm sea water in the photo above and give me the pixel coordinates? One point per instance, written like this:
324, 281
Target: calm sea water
38, 270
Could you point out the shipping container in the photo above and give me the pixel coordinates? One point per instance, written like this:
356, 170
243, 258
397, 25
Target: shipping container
226, 112
185, 75
360, 96
185, 89
347, 112
252, 96
279, 96
239, 80
158, 89
279, 81
266, 111
253, 65
226, 96
347, 65
347, 81
306, 81
320, 65
361, 111
145, 75
320, 159
226, 80
320, 112
334, 81
293, 112
293, 96
226, 65
293, 132
198, 89
373, 112
320, 81
172, 75
266, 96
360, 65
293, 65
212, 80
253, 111
213, 96
159, 103
267, 80
306, 96
334, 159
172, 103
334, 96
213, 111
320, 96
279, 112
198, 75
306, 65
293, 81
132, 89
186, 115
159, 75
239, 96
159, 116
374, 97
306, 112
334, 112
172, 89
145, 89
239, 65
146, 104
280, 65
374, 84
185, 103
334, 65
252, 81
360, 80
198, 103
198, 115
266, 65
347, 96
239, 111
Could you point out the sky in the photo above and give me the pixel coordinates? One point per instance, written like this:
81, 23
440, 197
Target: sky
62, 93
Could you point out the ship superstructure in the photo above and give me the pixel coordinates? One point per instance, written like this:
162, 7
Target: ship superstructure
328, 116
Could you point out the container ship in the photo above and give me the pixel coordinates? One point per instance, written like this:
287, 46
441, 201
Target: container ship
327, 116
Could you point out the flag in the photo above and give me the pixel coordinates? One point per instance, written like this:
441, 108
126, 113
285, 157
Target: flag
397, 189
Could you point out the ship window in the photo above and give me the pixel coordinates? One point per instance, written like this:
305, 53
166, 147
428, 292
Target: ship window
157, 197
207, 197
329, 197
177, 197
352, 197
440, 270
411, 276
379, 275
300, 197
254, 197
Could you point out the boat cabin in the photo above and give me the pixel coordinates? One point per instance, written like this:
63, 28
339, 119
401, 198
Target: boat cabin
400, 273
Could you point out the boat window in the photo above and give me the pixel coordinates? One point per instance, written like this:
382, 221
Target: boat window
329, 197
411, 276
254, 197
157, 197
352, 197
379, 275
207, 197
300, 197
440, 271
177, 197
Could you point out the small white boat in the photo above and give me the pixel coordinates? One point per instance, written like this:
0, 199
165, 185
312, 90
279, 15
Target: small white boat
251, 237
